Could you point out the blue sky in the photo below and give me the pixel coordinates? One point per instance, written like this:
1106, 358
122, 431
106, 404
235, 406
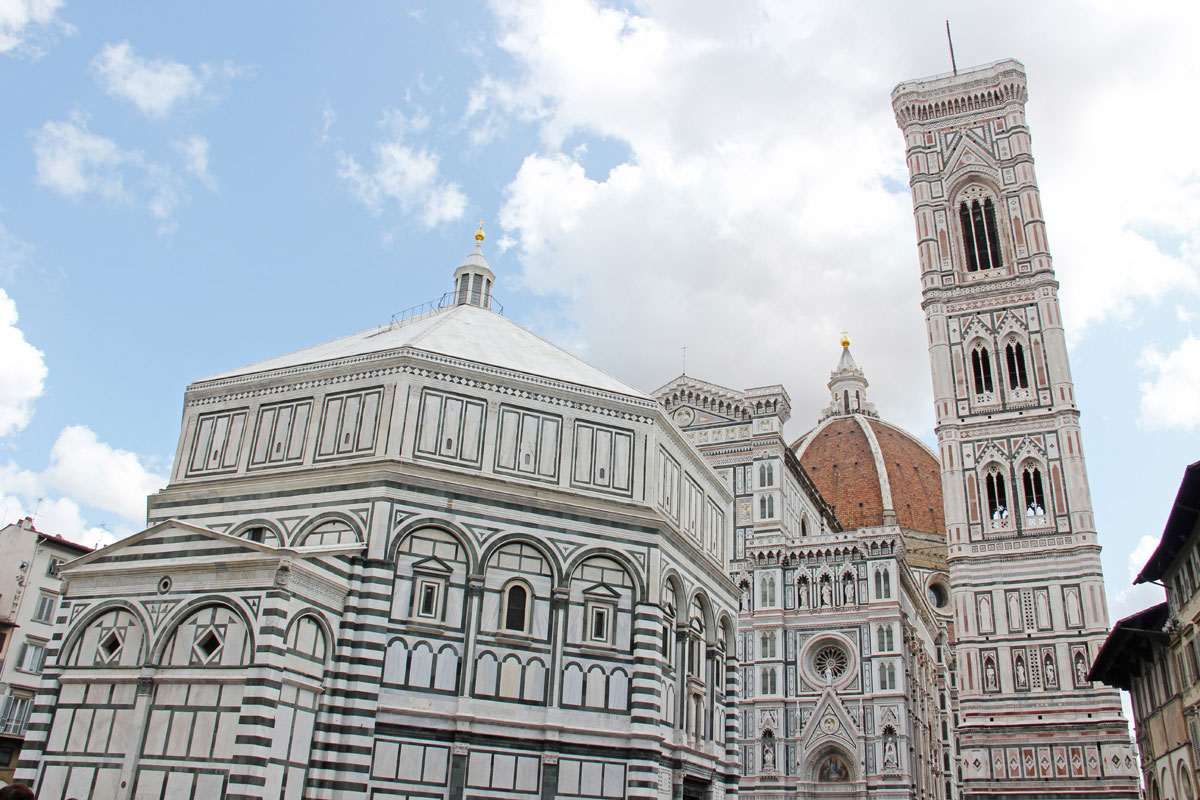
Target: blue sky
186, 188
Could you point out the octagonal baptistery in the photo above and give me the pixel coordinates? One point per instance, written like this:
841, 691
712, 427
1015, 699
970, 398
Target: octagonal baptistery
874, 473
439, 558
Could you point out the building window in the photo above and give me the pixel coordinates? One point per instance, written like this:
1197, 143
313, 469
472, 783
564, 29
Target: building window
1035, 499
997, 496
54, 567
886, 640
768, 644
767, 591
981, 241
599, 623
887, 676
981, 370
770, 681
766, 474
429, 598
766, 507
45, 608
1014, 356
31, 657
883, 584
516, 608
15, 714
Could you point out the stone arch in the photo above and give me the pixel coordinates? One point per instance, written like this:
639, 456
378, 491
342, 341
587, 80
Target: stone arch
456, 531
324, 518
187, 610
548, 555
75, 635
832, 763
296, 639
274, 530
631, 568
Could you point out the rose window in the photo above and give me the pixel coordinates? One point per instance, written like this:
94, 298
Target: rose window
831, 662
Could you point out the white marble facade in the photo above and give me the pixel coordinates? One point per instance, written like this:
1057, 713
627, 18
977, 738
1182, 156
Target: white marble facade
440, 559
846, 687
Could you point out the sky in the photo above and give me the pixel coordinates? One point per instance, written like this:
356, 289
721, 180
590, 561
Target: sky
187, 188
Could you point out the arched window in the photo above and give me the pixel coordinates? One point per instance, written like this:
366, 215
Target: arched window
1035, 498
981, 242
767, 648
804, 526
767, 591
1014, 355
770, 683
981, 370
887, 584
766, 507
886, 640
516, 607
997, 496
846, 401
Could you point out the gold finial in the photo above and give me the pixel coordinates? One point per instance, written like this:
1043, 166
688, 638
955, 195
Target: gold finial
845, 339
479, 233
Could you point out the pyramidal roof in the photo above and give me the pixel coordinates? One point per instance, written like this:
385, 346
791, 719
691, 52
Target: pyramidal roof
466, 332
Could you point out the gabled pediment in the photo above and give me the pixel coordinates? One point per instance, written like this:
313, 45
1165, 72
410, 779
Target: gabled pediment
432, 564
968, 155
602, 591
830, 722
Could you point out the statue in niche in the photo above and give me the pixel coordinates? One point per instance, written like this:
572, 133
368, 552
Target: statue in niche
889, 750
1080, 669
768, 760
849, 589
986, 622
1019, 669
745, 603
989, 674
826, 592
1049, 668
802, 593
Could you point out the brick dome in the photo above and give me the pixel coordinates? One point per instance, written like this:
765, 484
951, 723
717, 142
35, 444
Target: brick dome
874, 473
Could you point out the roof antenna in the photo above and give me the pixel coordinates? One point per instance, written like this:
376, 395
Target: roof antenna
953, 66
684, 349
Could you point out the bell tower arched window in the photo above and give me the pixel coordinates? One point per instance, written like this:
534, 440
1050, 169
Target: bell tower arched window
1035, 498
1014, 356
997, 495
981, 370
981, 241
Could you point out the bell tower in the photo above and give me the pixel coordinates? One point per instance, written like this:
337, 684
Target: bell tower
1024, 556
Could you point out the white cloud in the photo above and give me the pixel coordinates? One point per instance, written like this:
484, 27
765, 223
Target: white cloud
1171, 398
764, 162
406, 175
100, 475
74, 162
19, 18
154, 85
1128, 598
82, 469
24, 374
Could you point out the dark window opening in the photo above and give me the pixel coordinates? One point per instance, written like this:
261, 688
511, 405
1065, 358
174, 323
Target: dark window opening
997, 496
514, 608
981, 240
1035, 500
981, 370
1014, 354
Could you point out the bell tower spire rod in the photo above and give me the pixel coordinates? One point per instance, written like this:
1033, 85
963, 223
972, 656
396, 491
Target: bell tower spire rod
950, 41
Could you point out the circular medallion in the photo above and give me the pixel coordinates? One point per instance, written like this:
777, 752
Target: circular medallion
684, 417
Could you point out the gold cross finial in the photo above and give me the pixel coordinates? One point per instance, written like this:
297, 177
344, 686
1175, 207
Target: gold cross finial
479, 233
845, 339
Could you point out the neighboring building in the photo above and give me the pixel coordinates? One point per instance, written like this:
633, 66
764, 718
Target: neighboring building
1155, 656
1024, 557
30, 592
438, 559
846, 666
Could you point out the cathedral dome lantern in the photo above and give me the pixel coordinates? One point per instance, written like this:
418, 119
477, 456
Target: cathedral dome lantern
848, 387
474, 279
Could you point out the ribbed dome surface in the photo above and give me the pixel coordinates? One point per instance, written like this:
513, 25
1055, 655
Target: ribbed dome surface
845, 456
